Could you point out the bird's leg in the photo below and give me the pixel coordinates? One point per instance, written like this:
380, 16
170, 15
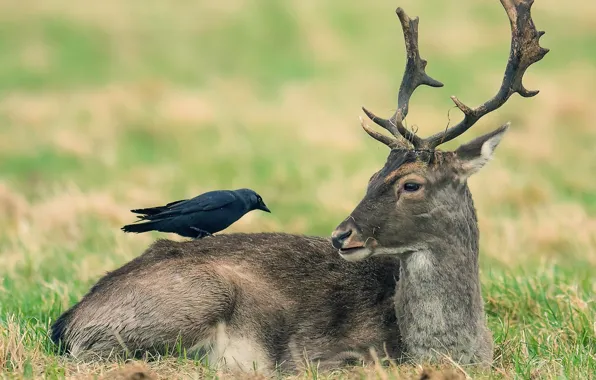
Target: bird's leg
200, 233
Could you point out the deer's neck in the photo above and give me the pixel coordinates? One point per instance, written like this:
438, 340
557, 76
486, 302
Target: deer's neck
439, 304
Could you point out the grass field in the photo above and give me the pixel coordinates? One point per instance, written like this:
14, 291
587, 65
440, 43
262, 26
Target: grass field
106, 106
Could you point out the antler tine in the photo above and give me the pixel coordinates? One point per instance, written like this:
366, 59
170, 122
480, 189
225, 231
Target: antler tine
390, 142
414, 76
525, 50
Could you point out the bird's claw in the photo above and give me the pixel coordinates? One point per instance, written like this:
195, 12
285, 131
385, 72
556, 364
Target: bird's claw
201, 233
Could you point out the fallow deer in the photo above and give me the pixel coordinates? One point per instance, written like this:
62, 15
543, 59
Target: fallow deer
274, 299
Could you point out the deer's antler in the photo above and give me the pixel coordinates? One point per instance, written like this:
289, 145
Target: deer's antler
525, 50
414, 76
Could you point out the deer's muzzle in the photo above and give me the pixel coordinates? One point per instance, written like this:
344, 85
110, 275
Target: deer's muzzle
347, 236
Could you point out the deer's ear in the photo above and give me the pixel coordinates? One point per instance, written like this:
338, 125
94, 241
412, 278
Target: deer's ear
474, 155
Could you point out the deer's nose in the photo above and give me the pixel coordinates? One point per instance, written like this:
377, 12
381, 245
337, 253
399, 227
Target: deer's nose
339, 237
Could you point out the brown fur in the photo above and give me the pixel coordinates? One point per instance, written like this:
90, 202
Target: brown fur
291, 296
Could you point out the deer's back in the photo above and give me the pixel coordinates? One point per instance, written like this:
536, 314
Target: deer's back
292, 263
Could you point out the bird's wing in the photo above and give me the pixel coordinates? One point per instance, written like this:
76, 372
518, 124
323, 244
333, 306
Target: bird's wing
148, 211
169, 205
208, 201
155, 210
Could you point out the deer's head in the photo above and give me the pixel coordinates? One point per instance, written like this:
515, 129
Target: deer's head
421, 194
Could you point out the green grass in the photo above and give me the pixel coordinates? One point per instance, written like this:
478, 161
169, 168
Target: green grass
129, 104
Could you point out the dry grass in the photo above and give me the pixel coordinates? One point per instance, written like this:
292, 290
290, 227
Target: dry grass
124, 104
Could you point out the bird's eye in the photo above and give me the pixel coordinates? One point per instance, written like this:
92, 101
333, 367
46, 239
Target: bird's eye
411, 187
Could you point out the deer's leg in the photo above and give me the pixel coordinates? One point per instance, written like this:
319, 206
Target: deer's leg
149, 312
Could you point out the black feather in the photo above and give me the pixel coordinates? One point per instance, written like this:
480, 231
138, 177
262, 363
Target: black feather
200, 216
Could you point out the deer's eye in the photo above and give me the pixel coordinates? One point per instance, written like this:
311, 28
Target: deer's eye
411, 187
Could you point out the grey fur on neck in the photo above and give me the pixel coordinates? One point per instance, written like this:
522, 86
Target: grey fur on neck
438, 302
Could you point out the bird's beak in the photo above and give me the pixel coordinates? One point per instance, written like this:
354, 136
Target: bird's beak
264, 208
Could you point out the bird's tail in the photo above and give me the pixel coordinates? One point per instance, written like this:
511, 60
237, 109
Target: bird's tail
137, 228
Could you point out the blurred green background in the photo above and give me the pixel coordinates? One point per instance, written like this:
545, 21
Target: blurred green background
112, 105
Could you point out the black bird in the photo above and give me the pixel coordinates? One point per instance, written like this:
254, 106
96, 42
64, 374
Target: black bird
200, 216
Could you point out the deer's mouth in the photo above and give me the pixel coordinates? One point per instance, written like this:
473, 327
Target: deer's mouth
359, 250
355, 253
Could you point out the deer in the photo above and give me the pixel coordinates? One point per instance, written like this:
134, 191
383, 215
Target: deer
399, 276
